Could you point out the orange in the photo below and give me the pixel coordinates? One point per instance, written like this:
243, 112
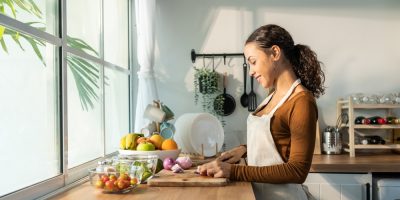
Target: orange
169, 144
157, 140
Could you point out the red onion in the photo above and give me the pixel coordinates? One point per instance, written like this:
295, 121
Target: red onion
168, 163
177, 169
184, 162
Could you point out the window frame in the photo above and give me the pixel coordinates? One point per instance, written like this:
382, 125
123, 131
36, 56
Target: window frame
71, 177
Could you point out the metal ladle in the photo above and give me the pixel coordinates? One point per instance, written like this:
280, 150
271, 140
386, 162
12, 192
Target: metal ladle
244, 99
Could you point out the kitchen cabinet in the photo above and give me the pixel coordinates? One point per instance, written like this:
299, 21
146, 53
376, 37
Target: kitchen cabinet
350, 107
332, 186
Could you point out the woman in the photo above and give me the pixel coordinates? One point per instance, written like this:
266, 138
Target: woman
281, 131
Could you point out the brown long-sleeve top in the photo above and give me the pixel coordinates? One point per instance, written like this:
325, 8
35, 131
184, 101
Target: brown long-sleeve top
293, 127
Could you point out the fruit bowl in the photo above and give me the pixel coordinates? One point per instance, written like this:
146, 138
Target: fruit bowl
112, 182
162, 154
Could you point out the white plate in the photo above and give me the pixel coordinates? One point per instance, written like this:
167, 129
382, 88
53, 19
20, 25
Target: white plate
182, 126
162, 154
206, 130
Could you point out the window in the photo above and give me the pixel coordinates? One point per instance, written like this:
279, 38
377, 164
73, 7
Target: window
116, 108
63, 106
84, 118
28, 113
84, 24
116, 32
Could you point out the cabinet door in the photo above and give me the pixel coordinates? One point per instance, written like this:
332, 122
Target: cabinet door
328, 186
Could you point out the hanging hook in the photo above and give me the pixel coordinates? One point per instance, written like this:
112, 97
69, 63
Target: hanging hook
224, 59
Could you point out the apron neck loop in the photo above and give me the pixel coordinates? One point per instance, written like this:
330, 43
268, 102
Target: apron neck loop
288, 93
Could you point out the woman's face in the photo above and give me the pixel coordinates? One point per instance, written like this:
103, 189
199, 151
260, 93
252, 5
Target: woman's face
261, 65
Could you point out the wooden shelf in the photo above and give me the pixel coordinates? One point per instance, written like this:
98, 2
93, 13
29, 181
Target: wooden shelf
373, 126
368, 106
377, 126
350, 108
377, 146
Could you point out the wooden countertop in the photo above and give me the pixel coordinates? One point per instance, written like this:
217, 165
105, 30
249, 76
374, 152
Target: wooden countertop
234, 190
361, 163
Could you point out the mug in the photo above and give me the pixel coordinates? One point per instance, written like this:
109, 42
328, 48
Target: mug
167, 130
149, 129
154, 113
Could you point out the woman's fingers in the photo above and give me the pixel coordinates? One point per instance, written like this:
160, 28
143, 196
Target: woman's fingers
224, 156
232, 160
219, 174
202, 170
210, 172
215, 169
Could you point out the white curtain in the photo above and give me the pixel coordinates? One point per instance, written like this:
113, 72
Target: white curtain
147, 90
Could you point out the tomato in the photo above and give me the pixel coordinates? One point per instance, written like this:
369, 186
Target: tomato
124, 177
100, 184
113, 177
122, 184
109, 185
134, 181
104, 178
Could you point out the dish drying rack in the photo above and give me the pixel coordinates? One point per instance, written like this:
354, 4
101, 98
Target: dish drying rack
197, 156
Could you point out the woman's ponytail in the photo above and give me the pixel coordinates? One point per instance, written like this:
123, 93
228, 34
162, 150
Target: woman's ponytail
307, 67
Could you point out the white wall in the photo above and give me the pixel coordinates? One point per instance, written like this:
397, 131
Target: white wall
358, 42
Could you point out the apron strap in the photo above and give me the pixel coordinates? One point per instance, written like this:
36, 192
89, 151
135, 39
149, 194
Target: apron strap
288, 93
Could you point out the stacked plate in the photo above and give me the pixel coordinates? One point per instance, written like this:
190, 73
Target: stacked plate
199, 133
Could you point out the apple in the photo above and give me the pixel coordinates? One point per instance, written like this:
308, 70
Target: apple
146, 146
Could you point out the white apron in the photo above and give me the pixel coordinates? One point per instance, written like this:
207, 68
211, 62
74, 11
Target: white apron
261, 151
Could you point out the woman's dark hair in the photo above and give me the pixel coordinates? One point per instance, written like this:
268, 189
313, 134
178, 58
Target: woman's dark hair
305, 63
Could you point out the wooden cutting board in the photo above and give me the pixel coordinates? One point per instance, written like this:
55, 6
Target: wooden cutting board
186, 179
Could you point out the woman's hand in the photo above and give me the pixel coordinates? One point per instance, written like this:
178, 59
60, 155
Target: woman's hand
216, 169
234, 155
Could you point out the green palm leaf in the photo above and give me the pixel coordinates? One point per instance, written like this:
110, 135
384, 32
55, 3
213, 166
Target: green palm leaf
2, 29
80, 45
3, 45
28, 6
10, 4
85, 74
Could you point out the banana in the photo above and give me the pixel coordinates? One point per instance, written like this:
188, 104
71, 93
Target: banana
122, 142
128, 141
134, 142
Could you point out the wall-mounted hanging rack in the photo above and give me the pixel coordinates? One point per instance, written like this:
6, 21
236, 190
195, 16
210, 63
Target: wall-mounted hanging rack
194, 55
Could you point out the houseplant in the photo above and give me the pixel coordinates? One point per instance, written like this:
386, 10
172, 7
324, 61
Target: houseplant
206, 85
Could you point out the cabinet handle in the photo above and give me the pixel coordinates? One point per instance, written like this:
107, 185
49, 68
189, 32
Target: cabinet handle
368, 189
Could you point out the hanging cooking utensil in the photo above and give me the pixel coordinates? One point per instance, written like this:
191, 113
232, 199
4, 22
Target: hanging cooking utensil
244, 99
224, 104
252, 97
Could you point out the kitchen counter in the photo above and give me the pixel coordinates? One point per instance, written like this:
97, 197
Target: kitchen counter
361, 163
234, 190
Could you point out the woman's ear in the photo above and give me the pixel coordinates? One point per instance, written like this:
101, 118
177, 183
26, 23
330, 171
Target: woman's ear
275, 52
